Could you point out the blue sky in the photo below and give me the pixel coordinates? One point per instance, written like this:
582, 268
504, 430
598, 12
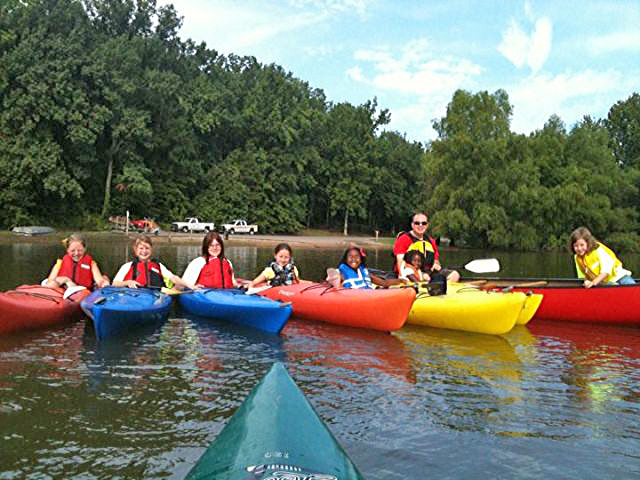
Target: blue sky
570, 58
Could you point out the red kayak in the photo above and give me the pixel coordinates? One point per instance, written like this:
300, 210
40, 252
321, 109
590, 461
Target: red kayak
379, 309
34, 306
568, 301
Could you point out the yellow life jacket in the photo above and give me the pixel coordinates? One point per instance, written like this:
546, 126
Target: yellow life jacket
589, 266
427, 248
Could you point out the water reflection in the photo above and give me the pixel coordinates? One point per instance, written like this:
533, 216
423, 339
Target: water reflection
601, 363
356, 351
418, 403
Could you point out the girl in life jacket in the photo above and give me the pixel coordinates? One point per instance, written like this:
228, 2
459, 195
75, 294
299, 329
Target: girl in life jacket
145, 271
76, 268
412, 268
280, 271
212, 269
354, 273
595, 262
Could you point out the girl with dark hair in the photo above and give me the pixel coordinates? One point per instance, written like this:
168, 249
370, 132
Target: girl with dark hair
412, 267
354, 273
212, 269
595, 262
280, 271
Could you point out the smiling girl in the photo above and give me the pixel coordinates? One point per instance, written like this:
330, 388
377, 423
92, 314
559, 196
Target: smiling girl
76, 268
595, 262
212, 269
280, 271
354, 273
145, 271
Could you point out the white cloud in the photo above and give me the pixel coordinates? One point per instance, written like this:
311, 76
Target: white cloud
569, 95
241, 27
412, 72
616, 41
359, 6
521, 48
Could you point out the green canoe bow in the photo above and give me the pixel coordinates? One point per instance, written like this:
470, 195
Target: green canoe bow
275, 434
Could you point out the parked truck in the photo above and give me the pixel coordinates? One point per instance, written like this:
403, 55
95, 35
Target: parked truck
239, 226
192, 224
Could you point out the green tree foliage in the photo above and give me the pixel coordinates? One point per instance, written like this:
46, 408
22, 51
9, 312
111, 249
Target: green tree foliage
489, 187
103, 108
623, 123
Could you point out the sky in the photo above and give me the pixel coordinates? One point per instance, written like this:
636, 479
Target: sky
568, 58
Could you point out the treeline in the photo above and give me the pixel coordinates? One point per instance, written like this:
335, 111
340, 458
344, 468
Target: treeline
103, 108
489, 187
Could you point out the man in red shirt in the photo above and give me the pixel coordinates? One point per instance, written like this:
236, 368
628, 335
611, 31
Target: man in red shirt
415, 240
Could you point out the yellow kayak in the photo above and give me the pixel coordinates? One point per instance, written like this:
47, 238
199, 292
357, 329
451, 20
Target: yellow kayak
529, 308
471, 309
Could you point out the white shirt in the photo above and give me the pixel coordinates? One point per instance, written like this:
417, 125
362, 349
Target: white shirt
406, 270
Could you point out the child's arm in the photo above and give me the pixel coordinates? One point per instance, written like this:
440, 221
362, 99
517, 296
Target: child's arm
179, 281
385, 282
99, 279
592, 283
52, 279
258, 280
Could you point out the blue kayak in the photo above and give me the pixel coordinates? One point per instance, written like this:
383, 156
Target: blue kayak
115, 310
233, 305
275, 434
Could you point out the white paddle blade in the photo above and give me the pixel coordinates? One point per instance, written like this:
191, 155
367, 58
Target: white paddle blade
71, 290
254, 290
483, 265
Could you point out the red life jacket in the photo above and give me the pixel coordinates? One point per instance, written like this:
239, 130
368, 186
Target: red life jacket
148, 274
216, 274
79, 272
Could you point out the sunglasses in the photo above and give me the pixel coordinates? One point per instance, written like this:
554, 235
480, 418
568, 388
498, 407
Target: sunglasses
421, 223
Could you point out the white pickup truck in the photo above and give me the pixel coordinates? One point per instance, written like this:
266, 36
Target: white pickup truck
239, 226
192, 224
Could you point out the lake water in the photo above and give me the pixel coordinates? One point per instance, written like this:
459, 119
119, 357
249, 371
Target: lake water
544, 401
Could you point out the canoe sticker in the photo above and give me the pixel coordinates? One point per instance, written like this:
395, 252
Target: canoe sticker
285, 472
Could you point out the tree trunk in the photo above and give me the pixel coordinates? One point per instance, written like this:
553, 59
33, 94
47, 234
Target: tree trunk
107, 186
345, 230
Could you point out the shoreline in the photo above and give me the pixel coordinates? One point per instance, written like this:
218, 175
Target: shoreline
329, 241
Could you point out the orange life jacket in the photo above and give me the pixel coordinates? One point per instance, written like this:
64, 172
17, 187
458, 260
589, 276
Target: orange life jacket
79, 272
217, 273
147, 274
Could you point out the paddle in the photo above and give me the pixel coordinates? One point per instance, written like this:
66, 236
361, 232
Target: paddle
71, 290
480, 265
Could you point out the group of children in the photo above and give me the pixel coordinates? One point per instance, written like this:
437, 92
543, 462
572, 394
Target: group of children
212, 269
595, 263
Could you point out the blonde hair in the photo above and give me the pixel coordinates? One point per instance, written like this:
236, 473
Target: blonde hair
583, 233
142, 239
74, 237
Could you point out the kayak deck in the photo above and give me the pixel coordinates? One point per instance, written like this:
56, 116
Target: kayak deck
275, 434
34, 306
115, 310
233, 305
467, 308
379, 309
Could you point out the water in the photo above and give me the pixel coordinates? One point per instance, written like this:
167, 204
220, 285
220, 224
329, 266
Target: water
544, 401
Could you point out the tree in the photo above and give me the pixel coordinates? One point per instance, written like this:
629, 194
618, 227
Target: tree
623, 124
